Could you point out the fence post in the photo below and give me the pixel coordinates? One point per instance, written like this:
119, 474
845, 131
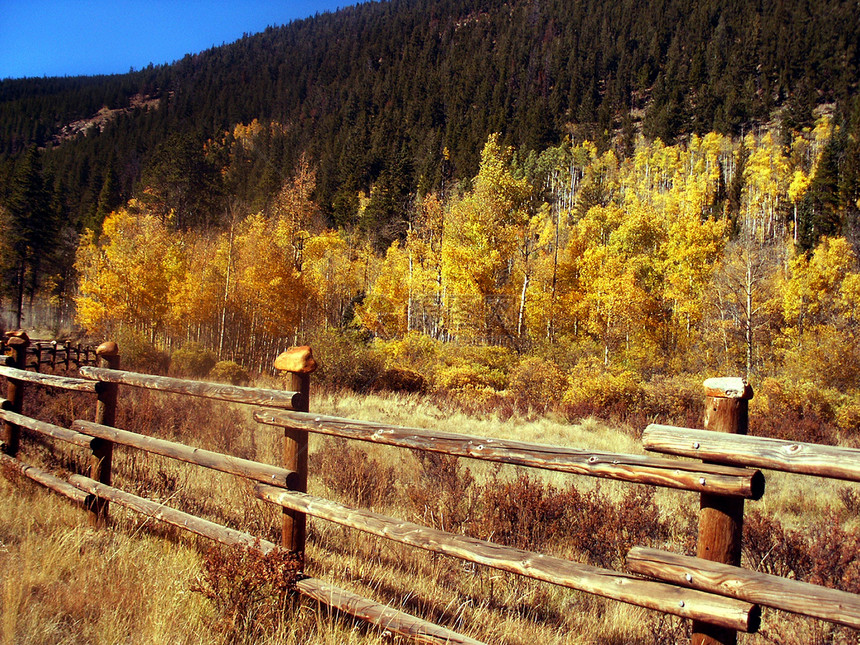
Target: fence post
297, 364
102, 455
17, 345
721, 519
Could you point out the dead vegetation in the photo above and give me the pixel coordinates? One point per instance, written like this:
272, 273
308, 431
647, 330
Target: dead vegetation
63, 582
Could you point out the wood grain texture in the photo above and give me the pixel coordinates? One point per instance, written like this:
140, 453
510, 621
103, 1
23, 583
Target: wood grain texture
49, 380
45, 478
759, 452
204, 389
293, 523
602, 582
385, 617
797, 597
640, 469
206, 458
731, 387
49, 429
721, 518
101, 458
177, 518
9, 432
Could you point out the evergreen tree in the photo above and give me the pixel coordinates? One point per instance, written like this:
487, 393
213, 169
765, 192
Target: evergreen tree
31, 227
109, 200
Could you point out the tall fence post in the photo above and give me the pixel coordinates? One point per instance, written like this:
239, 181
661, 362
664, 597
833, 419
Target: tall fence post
297, 364
102, 455
17, 346
721, 519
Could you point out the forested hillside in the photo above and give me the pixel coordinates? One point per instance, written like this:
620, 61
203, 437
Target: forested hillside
375, 94
661, 187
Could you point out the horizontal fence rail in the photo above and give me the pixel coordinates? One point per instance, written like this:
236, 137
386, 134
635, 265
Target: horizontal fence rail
50, 380
640, 469
44, 478
764, 589
49, 429
198, 456
383, 616
602, 582
386, 618
204, 389
172, 516
760, 452
720, 597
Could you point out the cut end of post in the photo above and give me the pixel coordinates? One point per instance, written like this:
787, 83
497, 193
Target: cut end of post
298, 360
18, 337
728, 388
108, 349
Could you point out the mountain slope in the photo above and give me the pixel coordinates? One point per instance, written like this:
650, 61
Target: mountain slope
403, 94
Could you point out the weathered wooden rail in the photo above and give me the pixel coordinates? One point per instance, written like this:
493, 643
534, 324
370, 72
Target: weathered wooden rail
711, 589
64, 353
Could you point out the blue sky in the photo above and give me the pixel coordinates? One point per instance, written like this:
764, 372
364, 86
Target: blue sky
68, 38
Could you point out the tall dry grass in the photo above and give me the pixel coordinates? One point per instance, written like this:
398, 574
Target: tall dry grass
63, 582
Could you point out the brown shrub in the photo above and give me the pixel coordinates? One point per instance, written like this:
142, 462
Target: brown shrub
605, 393
537, 383
528, 514
524, 512
249, 589
229, 372
357, 479
824, 553
192, 361
793, 412
443, 494
399, 379
345, 360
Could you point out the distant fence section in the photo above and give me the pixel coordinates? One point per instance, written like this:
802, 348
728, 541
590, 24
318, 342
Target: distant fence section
54, 354
711, 589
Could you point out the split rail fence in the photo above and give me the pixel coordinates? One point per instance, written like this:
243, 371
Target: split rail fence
55, 354
721, 598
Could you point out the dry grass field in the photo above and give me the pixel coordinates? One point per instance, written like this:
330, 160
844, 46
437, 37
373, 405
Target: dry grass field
62, 581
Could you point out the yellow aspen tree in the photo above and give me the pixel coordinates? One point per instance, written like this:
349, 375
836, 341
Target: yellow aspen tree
482, 234
800, 182
813, 295
620, 271
267, 282
197, 295
337, 270
384, 310
539, 270
766, 180
819, 339
126, 277
424, 252
693, 248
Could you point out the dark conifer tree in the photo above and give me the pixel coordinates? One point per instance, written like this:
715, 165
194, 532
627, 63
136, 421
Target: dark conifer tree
31, 227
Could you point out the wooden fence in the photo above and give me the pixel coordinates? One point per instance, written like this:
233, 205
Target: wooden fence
711, 589
64, 353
